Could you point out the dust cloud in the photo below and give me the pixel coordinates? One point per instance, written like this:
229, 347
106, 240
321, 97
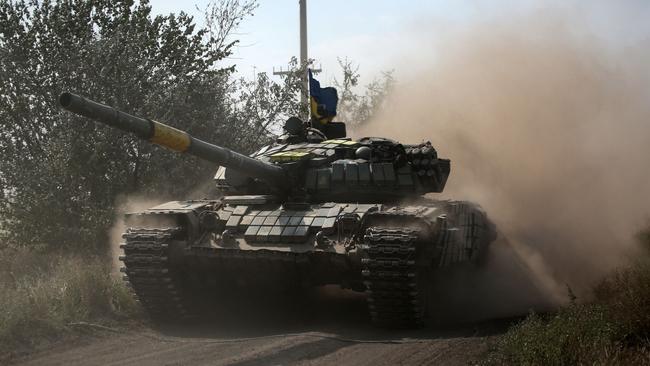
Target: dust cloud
547, 128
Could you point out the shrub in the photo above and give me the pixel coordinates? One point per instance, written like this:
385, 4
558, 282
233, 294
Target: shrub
612, 330
43, 294
576, 334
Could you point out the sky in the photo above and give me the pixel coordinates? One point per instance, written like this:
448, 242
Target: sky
375, 34
271, 37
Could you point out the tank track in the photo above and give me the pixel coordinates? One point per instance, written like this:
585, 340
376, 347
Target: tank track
148, 272
391, 277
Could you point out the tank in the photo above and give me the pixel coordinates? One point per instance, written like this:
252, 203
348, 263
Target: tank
314, 208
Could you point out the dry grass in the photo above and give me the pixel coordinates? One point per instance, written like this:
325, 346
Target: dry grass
42, 294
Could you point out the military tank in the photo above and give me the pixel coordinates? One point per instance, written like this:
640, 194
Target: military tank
314, 208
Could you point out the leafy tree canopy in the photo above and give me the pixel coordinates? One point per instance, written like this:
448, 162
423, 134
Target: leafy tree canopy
60, 174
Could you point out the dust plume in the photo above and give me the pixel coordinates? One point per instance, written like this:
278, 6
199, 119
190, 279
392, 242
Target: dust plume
547, 127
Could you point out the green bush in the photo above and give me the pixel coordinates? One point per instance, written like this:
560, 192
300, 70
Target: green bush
627, 296
44, 294
614, 329
577, 334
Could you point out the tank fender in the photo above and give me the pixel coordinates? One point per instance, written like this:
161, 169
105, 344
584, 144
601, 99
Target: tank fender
192, 215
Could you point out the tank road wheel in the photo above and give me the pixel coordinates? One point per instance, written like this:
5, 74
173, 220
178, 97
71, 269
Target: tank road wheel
396, 298
155, 282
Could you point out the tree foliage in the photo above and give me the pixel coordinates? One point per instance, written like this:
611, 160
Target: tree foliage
358, 108
264, 104
60, 174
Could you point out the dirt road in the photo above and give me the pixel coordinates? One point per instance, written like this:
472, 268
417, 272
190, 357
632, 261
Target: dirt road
147, 348
324, 327
330, 330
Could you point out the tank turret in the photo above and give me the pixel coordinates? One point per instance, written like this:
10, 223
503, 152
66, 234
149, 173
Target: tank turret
306, 164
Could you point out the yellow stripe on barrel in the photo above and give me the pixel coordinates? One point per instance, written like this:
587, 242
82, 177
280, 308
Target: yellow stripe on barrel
170, 137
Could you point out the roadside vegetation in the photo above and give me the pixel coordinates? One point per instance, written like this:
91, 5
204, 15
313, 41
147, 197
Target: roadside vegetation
613, 329
45, 296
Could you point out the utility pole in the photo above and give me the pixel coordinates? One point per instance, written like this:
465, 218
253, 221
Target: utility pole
303, 50
304, 57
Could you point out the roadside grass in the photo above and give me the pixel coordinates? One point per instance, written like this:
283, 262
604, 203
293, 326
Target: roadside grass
43, 295
613, 329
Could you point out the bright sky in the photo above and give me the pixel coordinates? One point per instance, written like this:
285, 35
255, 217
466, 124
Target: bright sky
374, 33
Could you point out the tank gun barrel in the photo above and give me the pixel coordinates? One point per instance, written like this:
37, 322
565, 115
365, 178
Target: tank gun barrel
172, 138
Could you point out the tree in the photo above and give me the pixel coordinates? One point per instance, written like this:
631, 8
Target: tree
357, 109
264, 104
60, 174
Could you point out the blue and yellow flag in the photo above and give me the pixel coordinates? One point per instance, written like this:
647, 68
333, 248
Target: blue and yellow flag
323, 101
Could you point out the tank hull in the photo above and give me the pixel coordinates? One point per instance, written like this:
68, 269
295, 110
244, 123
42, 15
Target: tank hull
176, 253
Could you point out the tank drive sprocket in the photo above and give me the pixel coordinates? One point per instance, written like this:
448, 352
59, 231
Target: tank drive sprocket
148, 272
395, 297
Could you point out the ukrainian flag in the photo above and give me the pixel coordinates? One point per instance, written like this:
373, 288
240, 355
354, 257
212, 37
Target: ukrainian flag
323, 101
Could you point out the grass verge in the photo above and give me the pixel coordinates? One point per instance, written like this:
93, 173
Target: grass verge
42, 294
614, 329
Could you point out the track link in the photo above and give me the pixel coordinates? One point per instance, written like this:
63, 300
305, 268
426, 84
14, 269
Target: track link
391, 277
148, 273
